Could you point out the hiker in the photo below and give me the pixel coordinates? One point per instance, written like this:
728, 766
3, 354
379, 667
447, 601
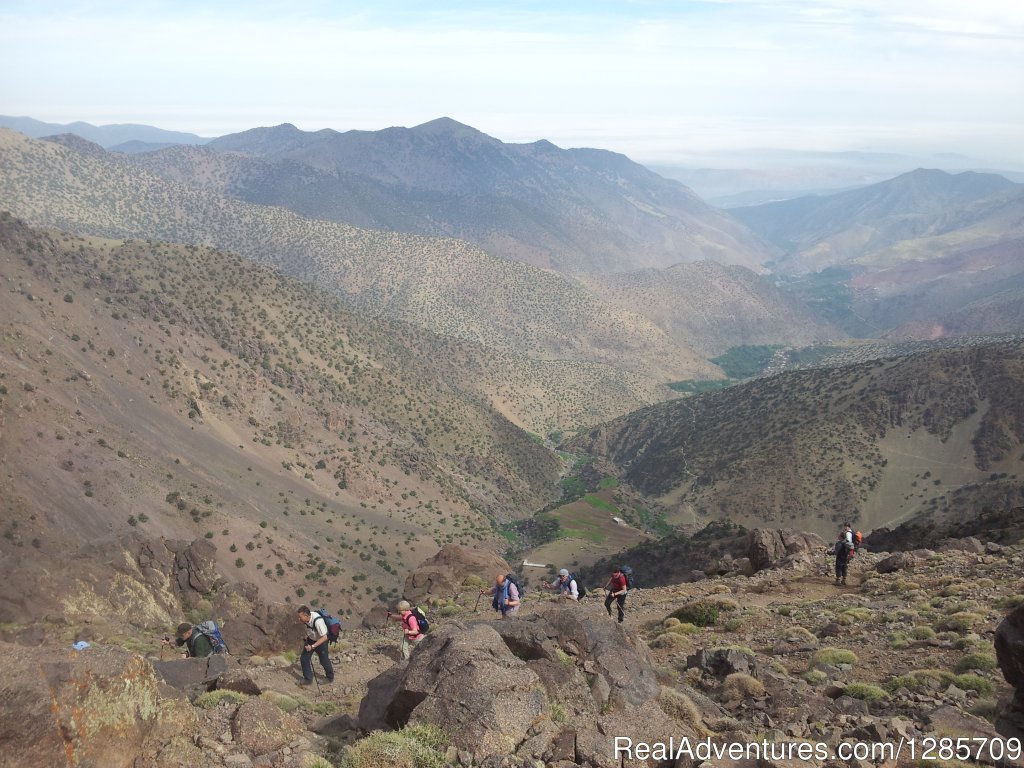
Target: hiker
617, 587
506, 595
842, 548
315, 642
197, 644
410, 626
566, 585
848, 534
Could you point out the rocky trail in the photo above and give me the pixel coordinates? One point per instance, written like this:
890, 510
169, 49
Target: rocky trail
906, 650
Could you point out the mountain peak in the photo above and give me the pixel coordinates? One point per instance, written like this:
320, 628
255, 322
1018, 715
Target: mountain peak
446, 126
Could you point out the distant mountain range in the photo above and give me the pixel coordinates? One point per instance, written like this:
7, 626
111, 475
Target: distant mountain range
923, 255
578, 211
125, 137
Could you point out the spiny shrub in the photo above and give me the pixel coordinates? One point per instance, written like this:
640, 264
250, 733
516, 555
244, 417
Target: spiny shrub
700, 613
865, 692
211, 699
833, 656
739, 686
415, 746
980, 661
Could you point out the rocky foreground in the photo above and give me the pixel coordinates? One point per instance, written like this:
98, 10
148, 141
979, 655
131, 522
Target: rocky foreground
920, 645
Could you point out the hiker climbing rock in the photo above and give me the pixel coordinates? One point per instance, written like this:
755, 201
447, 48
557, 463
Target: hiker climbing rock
316, 641
200, 640
411, 631
506, 593
617, 586
566, 585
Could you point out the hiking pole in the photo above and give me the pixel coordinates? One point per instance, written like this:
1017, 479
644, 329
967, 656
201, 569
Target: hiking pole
477, 606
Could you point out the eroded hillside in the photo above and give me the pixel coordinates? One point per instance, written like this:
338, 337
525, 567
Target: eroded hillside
186, 392
874, 443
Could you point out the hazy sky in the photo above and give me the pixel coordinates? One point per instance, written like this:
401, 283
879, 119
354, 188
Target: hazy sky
653, 79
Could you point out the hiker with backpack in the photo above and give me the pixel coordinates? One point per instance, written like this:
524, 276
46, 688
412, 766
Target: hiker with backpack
200, 640
617, 586
843, 547
317, 637
506, 593
567, 585
412, 628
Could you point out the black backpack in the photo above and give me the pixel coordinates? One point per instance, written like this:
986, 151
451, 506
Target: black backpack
581, 591
627, 572
515, 580
421, 619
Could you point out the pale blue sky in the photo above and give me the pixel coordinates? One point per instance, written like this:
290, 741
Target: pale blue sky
656, 80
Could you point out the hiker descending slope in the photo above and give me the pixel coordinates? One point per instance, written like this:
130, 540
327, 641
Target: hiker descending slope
317, 637
507, 594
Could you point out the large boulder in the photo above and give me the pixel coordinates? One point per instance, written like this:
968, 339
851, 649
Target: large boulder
770, 547
504, 687
194, 677
261, 727
1009, 643
898, 561
102, 706
444, 574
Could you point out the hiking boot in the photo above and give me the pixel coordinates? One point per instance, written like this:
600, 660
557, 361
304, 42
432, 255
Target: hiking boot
303, 683
329, 680
844, 582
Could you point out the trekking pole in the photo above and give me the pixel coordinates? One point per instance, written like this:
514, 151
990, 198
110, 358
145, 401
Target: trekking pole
477, 606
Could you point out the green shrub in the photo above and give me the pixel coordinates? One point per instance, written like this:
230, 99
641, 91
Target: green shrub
833, 656
283, 702
211, 699
671, 640
982, 661
974, 683
922, 632
415, 746
815, 677
680, 707
700, 613
865, 692
740, 686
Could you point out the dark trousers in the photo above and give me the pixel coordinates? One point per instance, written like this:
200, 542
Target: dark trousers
325, 662
621, 600
841, 568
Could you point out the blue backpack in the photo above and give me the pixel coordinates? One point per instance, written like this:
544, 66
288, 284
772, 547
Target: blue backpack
211, 631
333, 625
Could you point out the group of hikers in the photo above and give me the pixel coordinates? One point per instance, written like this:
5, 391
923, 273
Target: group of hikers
205, 639
506, 598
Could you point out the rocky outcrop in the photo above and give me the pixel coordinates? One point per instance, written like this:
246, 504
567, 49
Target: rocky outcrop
1009, 643
260, 727
444, 574
772, 547
102, 706
510, 687
899, 561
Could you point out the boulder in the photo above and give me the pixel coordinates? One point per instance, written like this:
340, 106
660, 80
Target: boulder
259, 726
443, 574
898, 561
194, 677
1009, 644
103, 706
768, 547
968, 544
505, 687
237, 680
722, 662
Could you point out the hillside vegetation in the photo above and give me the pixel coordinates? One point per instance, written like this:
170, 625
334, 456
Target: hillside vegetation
566, 357
874, 443
186, 392
578, 211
